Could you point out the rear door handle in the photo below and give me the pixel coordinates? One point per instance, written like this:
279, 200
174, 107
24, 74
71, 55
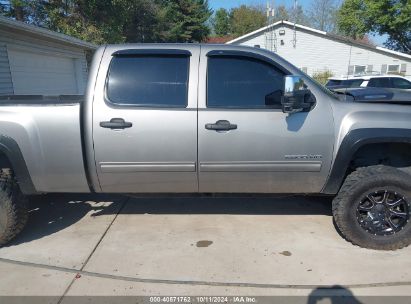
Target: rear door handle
116, 123
221, 125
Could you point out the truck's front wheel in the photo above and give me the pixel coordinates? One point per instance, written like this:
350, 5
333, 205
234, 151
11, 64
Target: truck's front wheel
372, 209
13, 207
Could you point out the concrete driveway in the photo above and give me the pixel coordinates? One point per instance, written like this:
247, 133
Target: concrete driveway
98, 245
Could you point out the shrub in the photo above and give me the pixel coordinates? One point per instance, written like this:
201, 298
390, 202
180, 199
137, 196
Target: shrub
322, 76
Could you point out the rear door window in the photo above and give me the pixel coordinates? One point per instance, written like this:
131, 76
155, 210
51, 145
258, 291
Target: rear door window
333, 82
148, 80
383, 82
353, 83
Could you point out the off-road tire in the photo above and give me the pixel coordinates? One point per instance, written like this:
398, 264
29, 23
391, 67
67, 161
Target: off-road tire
13, 207
357, 185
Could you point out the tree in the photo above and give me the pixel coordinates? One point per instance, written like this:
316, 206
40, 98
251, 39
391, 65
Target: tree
81, 19
245, 19
142, 20
349, 19
20, 9
323, 15
31, 11
385, 17
113, 21
185, 20
300, 17
281, 13
296, 14
221, 22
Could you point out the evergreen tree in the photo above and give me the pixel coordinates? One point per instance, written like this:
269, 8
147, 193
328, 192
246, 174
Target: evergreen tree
184, 20
221, 22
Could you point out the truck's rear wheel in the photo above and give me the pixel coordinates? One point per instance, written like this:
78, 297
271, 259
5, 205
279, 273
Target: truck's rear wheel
13, 207
372, 209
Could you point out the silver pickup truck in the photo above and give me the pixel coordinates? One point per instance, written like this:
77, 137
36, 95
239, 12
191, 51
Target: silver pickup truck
182, 118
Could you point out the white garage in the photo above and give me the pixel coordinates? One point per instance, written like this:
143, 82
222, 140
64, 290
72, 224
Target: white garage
36, 61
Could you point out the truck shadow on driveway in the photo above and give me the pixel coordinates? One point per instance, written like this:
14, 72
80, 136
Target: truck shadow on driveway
336, 294
50, 214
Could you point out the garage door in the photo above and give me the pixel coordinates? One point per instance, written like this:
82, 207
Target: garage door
34, 73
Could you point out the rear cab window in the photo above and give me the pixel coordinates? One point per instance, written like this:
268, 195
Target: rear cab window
148, 80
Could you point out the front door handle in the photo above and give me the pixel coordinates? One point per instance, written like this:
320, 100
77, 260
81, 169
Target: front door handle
116, 123
221, 125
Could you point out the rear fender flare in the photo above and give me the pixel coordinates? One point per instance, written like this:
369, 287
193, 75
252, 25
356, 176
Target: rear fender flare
11, 149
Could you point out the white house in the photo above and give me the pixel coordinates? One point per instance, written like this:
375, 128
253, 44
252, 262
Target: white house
316, 51
35, 60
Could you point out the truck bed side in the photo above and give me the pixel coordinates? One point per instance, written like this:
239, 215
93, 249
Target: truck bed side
48, 137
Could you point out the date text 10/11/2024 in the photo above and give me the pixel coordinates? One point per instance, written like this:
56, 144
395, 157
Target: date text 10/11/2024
204, 299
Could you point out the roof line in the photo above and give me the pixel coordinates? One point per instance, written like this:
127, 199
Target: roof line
392, 52
329, 35
273, 25
14, 24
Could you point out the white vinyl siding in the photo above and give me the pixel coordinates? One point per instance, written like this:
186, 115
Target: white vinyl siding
319, 52
6, 85
350, 70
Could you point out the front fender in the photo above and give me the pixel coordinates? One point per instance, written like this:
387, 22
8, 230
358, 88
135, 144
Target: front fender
354, 140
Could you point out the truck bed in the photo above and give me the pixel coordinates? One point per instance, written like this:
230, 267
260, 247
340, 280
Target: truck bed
47, 130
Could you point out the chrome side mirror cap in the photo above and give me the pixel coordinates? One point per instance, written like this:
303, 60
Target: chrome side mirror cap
297, 97
293, 84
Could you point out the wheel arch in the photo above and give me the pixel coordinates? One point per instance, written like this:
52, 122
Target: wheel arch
10, 155
352, 143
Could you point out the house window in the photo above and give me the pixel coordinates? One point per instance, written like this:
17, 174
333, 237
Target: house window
360, 69
393, 69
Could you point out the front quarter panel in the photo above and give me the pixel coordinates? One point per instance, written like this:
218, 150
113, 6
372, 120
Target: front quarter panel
358, 124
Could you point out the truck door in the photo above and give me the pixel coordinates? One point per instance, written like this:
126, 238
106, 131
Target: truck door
246, 142
145, 119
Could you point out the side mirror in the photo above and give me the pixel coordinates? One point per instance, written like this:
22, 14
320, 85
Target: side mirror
296, 98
